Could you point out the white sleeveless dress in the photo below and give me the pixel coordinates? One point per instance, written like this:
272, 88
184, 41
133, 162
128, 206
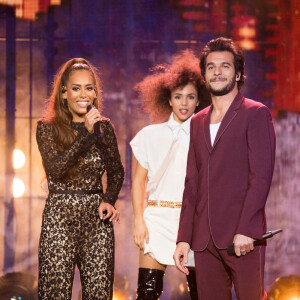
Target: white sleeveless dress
151, 146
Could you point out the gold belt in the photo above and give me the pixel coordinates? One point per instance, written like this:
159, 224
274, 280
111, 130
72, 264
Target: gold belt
170, 204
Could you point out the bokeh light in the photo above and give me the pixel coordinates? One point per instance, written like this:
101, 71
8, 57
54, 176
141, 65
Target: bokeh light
285, 288
18, 159
18, 187
119, 296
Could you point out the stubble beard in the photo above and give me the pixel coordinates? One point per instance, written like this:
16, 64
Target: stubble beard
223, 91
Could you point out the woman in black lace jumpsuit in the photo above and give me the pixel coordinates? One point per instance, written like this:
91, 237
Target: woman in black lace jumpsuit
75, 229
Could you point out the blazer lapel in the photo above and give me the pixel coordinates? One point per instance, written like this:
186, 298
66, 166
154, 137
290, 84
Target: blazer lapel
206, 130
229, 116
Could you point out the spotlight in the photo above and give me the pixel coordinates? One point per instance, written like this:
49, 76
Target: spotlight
18, 286
285, 288
122, 290
18, 187
18, 159
119, 296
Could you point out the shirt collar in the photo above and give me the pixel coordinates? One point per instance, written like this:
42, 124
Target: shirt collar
172, 124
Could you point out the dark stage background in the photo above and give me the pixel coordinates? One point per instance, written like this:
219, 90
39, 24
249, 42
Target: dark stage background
124, 39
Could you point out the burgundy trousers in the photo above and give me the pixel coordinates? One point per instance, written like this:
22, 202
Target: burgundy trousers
216, 271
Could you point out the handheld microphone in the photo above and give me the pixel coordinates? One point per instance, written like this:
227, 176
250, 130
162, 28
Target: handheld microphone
265, 237
97, 127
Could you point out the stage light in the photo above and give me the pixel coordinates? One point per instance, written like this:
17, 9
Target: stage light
119, 296
27, 9
122, 290
247, 44
181, 288
18, 187
285, 288
18, 286
247, 32
18, 159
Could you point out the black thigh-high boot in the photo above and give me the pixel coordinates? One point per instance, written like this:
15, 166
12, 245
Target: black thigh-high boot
192, 284
150, 284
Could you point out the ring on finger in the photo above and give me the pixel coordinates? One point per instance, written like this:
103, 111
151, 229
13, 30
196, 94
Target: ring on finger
243, 250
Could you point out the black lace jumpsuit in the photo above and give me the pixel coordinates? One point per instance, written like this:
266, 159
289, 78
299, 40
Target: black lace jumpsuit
72, 232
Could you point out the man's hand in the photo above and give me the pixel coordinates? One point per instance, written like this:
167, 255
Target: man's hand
242, 244
181, 256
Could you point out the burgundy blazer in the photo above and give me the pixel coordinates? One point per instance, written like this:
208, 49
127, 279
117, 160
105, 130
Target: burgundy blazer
227, 183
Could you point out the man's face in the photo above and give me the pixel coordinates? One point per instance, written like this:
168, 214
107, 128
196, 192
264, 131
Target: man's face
220, 76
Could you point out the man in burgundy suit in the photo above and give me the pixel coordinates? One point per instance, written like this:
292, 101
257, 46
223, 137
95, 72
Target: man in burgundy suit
229, 173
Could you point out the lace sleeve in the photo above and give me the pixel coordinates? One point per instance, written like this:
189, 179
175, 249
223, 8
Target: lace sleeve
57, 163
113, 164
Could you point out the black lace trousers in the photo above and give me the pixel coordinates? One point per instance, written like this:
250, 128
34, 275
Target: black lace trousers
72, 233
